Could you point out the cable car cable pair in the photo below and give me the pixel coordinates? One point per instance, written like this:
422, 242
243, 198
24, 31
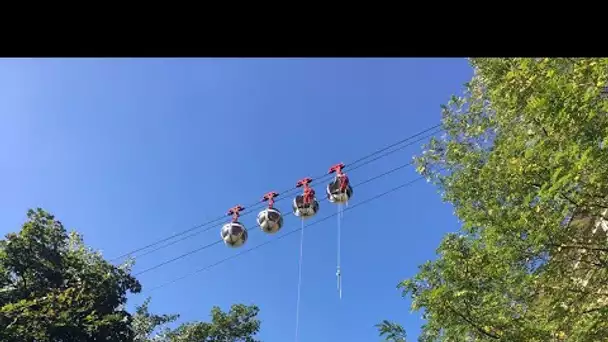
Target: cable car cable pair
220, 218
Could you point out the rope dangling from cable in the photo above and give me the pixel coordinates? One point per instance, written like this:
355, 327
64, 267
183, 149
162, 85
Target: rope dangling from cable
299, 281
339, 271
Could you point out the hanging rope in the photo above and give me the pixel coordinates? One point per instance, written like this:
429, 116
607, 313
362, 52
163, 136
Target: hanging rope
339, 271
299, 282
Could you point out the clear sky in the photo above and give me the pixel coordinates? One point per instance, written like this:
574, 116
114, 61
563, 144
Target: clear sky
130, 151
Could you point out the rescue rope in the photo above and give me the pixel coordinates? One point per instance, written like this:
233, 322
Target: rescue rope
299, 281
339, 271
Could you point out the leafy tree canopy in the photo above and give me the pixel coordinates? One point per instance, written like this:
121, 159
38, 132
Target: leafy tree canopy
238, 325
524, 162
55, 289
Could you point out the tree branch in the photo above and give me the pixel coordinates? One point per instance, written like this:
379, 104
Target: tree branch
592, 310
478, 328
580, 247
570, 200
13, 323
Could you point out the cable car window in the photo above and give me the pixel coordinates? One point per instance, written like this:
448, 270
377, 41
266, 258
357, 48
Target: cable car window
236, 229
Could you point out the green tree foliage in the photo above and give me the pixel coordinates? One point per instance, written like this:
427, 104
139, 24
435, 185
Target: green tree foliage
392, 332
55, 289
52, 288
524, 162
238, 325
145, 324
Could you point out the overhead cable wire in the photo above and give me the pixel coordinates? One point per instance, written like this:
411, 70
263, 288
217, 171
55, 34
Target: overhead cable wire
249, 229
289, 233
284, 193
249, 212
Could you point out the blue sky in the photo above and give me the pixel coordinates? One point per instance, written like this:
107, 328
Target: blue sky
130, 151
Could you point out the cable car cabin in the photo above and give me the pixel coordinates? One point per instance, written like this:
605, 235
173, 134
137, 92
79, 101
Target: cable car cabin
234, 234
303, 210
270, 220
336, 195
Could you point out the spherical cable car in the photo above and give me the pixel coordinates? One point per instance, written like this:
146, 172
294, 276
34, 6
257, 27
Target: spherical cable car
234, 233
270, 219
339, 190
305, 205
